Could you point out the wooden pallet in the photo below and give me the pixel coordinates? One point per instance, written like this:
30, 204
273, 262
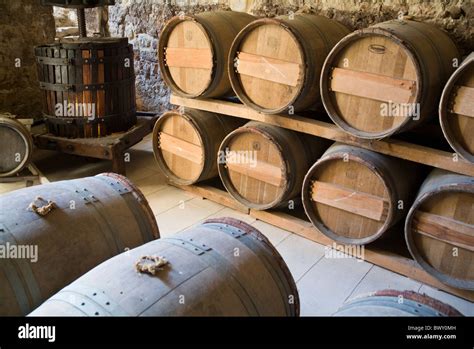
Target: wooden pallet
111, 147
397, 260
28, 175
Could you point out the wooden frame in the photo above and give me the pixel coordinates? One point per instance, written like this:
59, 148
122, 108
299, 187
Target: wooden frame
28, 175
107, 148
374, 253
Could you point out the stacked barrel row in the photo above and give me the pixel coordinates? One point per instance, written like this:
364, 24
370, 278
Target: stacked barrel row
373, 83
352, 195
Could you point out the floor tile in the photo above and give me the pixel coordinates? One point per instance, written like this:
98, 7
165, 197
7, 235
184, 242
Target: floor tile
151, 184
137, 173
167, 198
325, 287
299, 254
207, 204
380, 279
274, 234
228, 212
182, 217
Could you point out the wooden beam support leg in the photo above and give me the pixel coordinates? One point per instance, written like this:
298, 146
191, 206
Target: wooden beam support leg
118, 161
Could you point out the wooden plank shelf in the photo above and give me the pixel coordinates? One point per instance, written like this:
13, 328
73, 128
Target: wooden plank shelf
393, 147
374, 253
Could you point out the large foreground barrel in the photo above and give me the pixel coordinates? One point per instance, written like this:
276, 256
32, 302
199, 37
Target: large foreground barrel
222, 267
16, 146
387, 78
396, 303
275, 64
89, 86
439, 228
193, 51
456, 109
186, 144
263, 166
354, 195
53, 233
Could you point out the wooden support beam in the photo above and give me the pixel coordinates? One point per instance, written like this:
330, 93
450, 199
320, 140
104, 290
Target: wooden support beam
189, 58
181, 148
372, 86
214, 194
393, 147
270, 69
362, 204
263, 171
445, 229
464, 101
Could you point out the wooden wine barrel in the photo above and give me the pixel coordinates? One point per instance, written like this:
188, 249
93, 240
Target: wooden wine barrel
193, 51
89, 86
263, 166
456, 109
275, 63
439, 228
74, 225
223, 267
16, 146
353, 195
374, 80
396, 303
186, 144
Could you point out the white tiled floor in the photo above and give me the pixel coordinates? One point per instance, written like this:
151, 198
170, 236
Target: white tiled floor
325, 287
324, 284
300, 254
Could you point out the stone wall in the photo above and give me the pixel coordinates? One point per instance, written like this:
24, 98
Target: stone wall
23, 25
142, 20
454, 16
